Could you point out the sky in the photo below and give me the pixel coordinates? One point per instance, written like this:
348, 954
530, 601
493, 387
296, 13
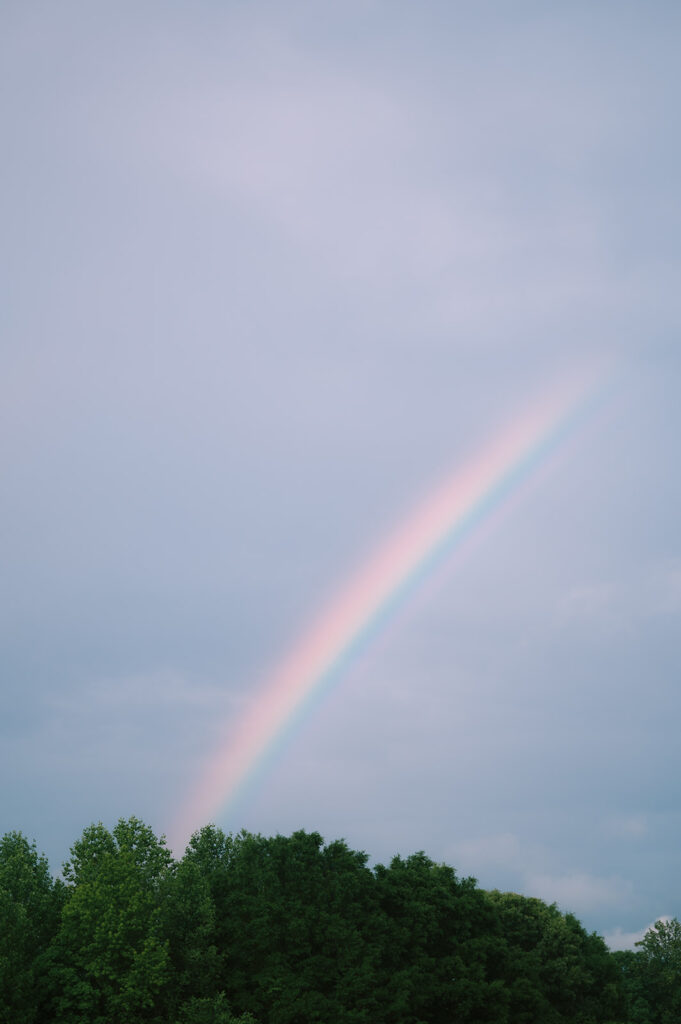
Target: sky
270, 274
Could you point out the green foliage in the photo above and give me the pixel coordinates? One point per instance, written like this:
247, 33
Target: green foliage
556, 971
290, 930
187, 924
440, 948
30, 905
110, 961
660, 968
634, 986
213, 1010
291, 917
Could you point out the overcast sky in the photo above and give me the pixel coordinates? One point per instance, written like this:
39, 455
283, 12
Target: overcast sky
270, 272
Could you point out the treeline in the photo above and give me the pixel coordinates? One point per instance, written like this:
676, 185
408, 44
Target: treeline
287, 930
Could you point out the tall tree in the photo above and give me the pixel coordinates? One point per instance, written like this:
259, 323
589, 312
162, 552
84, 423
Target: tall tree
187, 924
30, 905
660, 961
556, 971
109, 958
441, 948
632, 977
292, 925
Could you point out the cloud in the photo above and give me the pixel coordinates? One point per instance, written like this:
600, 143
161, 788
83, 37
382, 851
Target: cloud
618, 939
590, 601
579, 893
626, 826
161, 719
501, 850
143, 689
270, 277
386, 185
650, 591
664, 587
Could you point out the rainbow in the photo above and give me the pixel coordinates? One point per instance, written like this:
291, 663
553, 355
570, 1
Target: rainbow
440, 524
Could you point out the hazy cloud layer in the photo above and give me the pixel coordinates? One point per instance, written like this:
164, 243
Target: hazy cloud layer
270, 273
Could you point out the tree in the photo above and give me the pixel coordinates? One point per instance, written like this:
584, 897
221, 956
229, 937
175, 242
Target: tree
30, 904
441, 949
187, 924
213, 1010
633, 984
660, 961
293, 919
110, 961
556, 972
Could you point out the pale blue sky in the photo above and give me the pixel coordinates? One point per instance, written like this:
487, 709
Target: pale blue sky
269, 272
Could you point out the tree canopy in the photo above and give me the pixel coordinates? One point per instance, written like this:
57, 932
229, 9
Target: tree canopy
248, 929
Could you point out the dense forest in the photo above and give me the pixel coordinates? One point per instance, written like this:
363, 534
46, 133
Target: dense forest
288, 930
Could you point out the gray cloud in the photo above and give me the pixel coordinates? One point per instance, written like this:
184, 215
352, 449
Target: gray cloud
268, 278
